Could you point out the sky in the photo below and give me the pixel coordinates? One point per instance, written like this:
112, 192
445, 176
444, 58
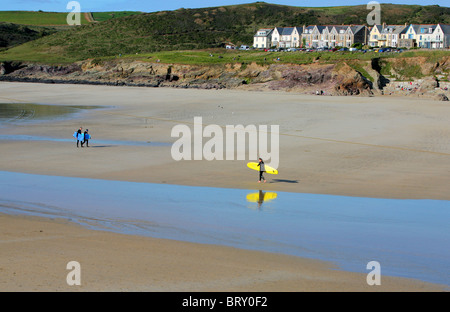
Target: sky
158, 5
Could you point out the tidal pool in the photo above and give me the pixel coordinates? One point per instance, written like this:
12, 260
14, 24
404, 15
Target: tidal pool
93, 142
26, 112
409, 238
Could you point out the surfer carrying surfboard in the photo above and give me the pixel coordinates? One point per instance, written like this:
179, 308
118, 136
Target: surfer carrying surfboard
79, 135
87, 136
262, 169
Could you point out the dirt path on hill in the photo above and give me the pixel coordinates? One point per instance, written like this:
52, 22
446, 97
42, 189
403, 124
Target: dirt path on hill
89, 17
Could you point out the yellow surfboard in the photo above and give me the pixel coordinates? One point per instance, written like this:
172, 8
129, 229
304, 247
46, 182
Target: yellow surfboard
254, 166
256, 197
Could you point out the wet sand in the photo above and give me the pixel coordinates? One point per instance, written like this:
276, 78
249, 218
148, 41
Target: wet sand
38, 250
397, 148
356, 146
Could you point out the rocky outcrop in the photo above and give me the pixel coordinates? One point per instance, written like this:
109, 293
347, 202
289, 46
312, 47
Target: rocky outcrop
351, 82
441, 97
341, 79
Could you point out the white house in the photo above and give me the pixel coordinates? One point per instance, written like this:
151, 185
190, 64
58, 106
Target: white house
312, 36
440, 38
421, 35
287, 37
263, 38
276, 35
390, 35
424, 36
341, 32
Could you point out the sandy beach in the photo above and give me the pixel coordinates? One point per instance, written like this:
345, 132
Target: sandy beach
386, 147
38, 251
357, 146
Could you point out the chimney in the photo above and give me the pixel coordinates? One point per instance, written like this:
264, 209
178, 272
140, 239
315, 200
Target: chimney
384, 25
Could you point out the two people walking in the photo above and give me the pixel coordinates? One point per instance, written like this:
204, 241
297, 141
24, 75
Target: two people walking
82, 137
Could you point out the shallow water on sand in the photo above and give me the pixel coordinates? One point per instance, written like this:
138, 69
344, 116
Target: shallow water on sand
409, 238
26, 112
93, 142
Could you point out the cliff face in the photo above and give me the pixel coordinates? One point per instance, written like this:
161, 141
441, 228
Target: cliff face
366, 78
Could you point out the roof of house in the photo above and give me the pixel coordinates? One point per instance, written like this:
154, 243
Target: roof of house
445, 28
377, 27
309, 29
320, 28
287, 31
299, 29
279, 29
356, 28
267, 31
428, 28
341, 28
400, 29
394, 29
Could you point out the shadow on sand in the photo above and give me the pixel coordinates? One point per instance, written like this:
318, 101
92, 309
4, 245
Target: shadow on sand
283, 181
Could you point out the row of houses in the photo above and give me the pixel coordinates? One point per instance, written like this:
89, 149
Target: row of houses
433, 36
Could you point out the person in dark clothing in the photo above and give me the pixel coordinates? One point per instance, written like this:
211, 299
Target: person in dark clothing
262, 169
79, 136
86, 137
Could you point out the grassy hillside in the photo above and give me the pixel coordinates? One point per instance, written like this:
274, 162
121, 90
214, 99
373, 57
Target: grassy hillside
390, 14
103, 16
188, 29
13, 34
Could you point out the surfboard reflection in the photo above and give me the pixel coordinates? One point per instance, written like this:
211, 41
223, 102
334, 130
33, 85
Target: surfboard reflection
261, 197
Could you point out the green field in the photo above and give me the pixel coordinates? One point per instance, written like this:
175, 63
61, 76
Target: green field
37, 18
222, 56
43, 53
103, 16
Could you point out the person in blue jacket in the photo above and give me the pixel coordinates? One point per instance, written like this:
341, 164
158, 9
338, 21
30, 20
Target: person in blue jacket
87, 136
